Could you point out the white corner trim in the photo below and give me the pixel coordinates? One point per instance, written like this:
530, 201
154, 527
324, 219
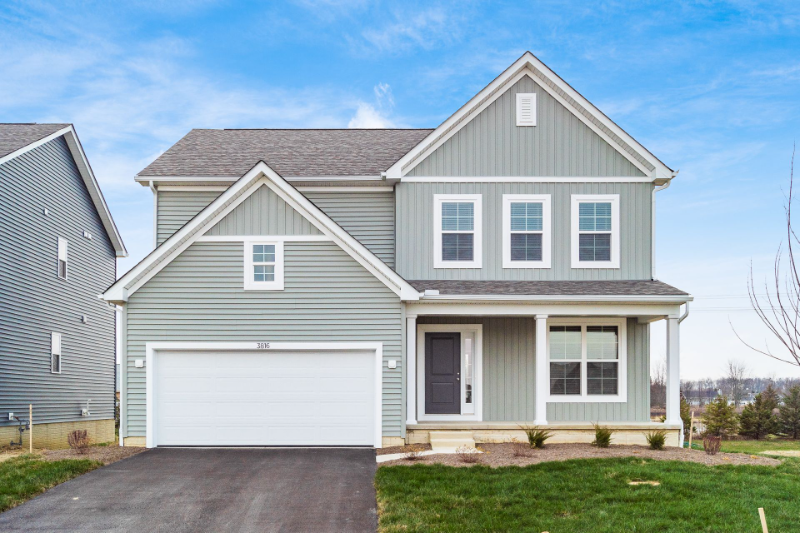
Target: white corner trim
152, 349
191, 188
622, 360
477, 230
576, 200
526, 179
477, 331
249, 283
546, 232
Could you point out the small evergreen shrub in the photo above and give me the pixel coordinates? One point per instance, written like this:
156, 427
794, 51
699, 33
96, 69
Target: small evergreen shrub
720, 419
656, 439
536, 436
758, 419
602, 436
789, 413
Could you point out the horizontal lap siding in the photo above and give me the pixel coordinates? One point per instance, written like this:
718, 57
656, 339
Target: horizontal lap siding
34, 302
415, 230
492, 144
367, 216
264, 213
328, 296
176, 208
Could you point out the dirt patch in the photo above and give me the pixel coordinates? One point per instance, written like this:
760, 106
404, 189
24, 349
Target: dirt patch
402, 449
105, 454
503, 455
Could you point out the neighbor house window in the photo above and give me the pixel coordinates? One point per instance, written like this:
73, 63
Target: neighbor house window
595, 231
55, 353
526, 231
263, 269
587, 360
457, 231
62, 257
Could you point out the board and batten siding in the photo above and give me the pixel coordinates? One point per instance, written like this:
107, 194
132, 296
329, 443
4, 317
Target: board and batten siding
264, 213
367, 216
176, 208
34, 301
492, 144
415, 231
509, 374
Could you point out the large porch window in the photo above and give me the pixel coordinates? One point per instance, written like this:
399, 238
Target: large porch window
587, 360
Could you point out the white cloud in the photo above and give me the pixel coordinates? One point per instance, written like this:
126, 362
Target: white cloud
411, 29
368, 117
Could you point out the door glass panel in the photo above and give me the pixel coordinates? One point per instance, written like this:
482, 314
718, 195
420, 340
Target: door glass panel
468, 369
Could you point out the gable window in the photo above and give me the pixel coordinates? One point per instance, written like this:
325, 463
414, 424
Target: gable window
457, 231
55, 353
587, 360
62, 257
263, 269
595, 231
526, 231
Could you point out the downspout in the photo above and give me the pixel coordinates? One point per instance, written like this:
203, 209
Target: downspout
653, 223
685, 314
155, 214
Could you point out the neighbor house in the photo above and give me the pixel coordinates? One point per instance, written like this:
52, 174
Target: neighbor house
58, 253
375, 287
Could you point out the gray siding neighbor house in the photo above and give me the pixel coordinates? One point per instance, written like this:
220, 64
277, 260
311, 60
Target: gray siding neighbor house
58, 251
376, 287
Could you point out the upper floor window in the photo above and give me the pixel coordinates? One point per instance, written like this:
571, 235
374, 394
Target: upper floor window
526, 231
595, 231
457, 231
62, 257
55, 353
587, 360
263, 269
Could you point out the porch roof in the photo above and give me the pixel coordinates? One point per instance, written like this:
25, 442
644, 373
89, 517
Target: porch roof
549, 288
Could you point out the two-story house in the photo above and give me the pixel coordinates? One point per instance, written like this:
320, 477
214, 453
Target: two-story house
58, 253
375, 287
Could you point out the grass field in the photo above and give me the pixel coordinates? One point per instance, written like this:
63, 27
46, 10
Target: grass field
753, 446
589, 496
26, 476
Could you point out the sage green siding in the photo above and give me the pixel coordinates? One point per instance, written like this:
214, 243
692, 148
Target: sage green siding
492, 144
264, 213
415, 230
176, 208
509, 374
199, 297
367, 216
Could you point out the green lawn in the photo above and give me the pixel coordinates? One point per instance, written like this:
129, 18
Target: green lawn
753, 446
589, 496
26, 476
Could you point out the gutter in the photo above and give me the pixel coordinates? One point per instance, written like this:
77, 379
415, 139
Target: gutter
653, 223
482, 298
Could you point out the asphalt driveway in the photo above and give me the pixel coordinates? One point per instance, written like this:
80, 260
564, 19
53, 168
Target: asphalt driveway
220, 490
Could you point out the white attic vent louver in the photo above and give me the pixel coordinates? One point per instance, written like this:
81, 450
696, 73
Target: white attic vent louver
526, 109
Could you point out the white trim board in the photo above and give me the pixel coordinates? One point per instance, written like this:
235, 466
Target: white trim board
260, 175
275, 238
152, 349
526, 179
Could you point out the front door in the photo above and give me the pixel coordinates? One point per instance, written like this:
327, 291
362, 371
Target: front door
443, 373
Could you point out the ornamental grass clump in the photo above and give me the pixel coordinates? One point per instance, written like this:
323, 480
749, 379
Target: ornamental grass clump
414, 452
536, 436
656, 439
468, 454
602, 436
712, 443
520, 449
78, 440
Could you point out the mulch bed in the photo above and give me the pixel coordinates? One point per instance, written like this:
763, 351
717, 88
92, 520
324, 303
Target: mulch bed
402, 449
105, 454
497, 455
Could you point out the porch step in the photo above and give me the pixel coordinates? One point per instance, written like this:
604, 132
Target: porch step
450, 441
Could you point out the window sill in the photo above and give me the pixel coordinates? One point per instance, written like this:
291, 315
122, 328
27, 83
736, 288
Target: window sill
266, 287
617, 398
596, 264
457, 264
525, 264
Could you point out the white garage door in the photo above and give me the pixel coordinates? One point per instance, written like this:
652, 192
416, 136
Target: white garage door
264, 398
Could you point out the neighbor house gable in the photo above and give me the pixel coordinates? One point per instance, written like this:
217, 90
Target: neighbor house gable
260, 175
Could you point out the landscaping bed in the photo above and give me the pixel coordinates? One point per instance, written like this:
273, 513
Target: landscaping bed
104, 454
498, 455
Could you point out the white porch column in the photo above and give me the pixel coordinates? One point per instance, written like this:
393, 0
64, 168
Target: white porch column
411, 369
673, 372
542, 384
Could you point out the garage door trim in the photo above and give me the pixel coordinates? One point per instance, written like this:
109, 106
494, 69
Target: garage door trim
152, 349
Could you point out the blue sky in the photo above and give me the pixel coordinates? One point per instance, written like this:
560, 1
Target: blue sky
712, 88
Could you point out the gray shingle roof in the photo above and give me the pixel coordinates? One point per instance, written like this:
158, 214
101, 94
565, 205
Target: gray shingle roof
16, 136
549, 288
291, 153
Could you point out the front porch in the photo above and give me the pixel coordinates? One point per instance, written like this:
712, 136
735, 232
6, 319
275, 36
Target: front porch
475, 368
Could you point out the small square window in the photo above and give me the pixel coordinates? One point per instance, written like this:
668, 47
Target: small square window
263, 266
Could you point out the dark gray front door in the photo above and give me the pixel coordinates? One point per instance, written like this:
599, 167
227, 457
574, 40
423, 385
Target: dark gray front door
443, 373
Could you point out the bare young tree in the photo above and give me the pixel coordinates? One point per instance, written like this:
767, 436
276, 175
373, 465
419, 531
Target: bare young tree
735, 378
658, 385
779, 306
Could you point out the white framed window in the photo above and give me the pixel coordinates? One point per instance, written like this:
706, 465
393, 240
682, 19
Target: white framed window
457, 235
595, 231
587, 360
55, 353
62, 257
526, 231
526, 109
263, 266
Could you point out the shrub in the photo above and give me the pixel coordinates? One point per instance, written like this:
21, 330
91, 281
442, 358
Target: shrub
536, 436
520, 449
468, 454
602, 436
720, 418
758, 419
78, 440
789, 413
414, 452
686, 416
711, 444
656, 439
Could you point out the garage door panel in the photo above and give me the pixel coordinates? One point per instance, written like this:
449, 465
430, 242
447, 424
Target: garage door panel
265, 398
